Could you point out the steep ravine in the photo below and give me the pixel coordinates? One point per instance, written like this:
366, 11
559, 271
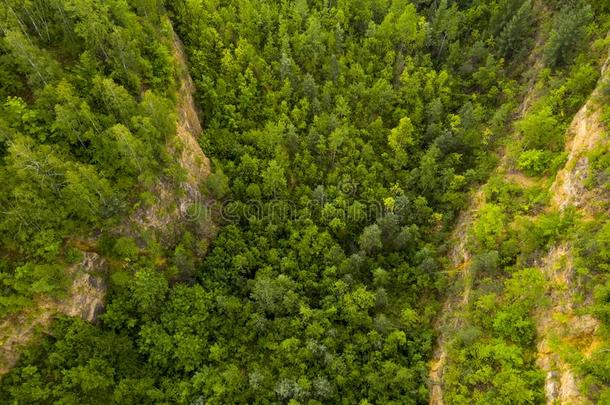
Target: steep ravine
452, 317
456, 301
173, 203
560, 321
85, 295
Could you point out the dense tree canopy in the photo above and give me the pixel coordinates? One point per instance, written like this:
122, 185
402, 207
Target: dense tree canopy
344, 137
86, 108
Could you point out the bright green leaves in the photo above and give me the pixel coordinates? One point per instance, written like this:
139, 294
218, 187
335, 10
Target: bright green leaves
34, 179
120, 149
88, 133
178, 340
113, 99
274, 179
541, 130
534, 162
87, 194
523, 292
29, 386
497, 378
401, 138
149, 288
95, 376
402, 29
28, 281
273, 295
355, 306
490, 226
74, 119
22, 119
82, 364
31, 279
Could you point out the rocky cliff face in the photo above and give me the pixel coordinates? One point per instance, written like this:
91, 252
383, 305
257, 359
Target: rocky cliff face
452, 315
560, 321
184, 202
85, 296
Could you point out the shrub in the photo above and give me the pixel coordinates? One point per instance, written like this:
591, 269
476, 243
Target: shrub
125, 247
217, 184
534, 162
541, 130
513, 325
489, 226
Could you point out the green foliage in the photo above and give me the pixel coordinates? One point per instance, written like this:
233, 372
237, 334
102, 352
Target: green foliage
525, 288
81, 364
274, 179
592, 258
515, 326
534, 162
83, 125
370, 239
217, 184
125, 248
577, 87
516, 34
344, 136
568, 34
401, 138
599, 167
513, 197
594, 248
541, 130
498, 364
27, 281
496, 375
490, 226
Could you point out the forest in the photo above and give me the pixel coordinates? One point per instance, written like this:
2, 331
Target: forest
407, 201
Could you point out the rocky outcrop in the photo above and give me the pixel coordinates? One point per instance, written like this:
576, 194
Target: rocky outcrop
558, 322
452, 314
184, 202
569, 188
561, 322
85, 298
